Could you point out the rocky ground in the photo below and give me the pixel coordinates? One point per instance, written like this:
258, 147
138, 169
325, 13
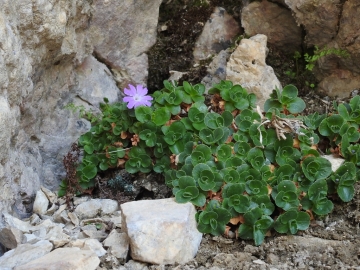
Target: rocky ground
331, 242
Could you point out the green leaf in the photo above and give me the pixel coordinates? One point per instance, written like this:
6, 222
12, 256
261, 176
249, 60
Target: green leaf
187, 194
246, 231
322, 206
346, 193
204, 177
256, 187
89, 171
252, 216
296, 106
211, 136
89, 148
264, 203
288, 94
335, 122
229, 175
316, 168
160, 116
318, 190
223, 152
213, 120
143, 114
287, 200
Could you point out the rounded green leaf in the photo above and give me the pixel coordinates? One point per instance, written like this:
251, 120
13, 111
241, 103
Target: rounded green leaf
186, 181
223, 152
246, 232
89, 171
264, 203
303, 221
296, 106
89, 148
318, 190
256, 187
346, 193
160, 116
185, 195
240, 203
288, 94
230, 175
287, 185
316, 168
322, 206
143, 114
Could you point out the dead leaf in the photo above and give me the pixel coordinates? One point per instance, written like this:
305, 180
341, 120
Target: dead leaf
310, 214
296, 143
123, 135
120, 162
237, 220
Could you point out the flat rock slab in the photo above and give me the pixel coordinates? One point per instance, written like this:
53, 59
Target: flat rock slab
161, 231
65, 259
24, 253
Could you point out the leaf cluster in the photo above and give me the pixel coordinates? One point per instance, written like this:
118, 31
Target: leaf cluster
238, 166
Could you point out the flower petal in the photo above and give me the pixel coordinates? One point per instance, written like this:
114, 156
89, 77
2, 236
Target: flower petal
131, 104
130, 92
141, 90
127, 92
146, 98
146, 103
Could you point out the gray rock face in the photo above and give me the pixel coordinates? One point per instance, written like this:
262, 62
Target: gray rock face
247, 67
165, 233
332, 24
218, 34
320, 19
216, 70
273, 21
47, 62
122, 32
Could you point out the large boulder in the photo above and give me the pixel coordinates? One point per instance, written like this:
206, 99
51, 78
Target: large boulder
53, 54
320, 19
275, 22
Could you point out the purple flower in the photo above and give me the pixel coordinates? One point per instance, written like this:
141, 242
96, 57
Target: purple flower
136, 97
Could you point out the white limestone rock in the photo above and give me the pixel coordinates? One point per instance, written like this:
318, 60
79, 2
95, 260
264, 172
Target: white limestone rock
51, 196
71, 258
94, 245
24, 253
94, 207
57, 237
118, 245
74, 219
161, 231
248, 68
13, 222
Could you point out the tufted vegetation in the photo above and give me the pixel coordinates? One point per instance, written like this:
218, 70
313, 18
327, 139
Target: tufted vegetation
242, 168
